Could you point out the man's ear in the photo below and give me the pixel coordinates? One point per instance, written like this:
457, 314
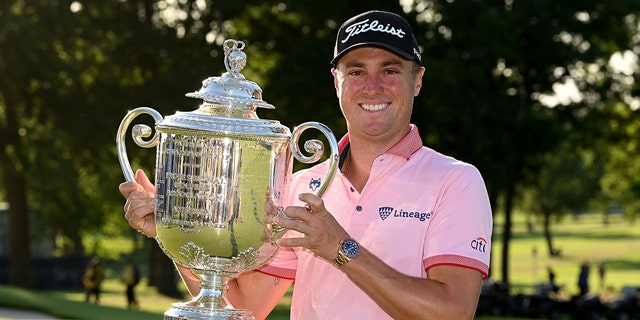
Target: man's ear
334, 72
418, 82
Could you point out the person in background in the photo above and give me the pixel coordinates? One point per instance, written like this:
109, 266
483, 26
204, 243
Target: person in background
583, 277
552, 280
402, 231
601, 275
130, 277
92, 280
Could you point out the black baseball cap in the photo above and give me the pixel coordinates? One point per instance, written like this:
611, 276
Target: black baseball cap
379, 29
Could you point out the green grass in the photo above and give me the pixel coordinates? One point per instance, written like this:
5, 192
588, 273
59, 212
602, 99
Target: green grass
70, 304
617, 243
66, 305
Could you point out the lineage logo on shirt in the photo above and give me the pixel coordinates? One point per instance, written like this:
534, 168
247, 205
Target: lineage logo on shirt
386, 212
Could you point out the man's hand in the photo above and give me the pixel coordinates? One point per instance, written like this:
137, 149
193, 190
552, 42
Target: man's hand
140, 205
270, 210
322, 233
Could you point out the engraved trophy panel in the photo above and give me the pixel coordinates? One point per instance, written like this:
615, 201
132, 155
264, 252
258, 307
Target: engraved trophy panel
211, 195
219, 170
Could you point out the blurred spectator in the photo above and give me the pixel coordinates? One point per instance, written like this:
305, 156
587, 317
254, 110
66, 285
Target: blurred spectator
92, 279
552, 281
601, 273
130, 276
583, 278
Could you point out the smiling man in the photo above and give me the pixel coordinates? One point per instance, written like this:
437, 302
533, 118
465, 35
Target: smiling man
401, 232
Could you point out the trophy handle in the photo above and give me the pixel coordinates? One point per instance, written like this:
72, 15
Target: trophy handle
138, 132
316, 148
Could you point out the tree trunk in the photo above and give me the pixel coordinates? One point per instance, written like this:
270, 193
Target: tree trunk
13, 166
20, 265
162, 272
76, 238
506, 234
493, 203
553, 252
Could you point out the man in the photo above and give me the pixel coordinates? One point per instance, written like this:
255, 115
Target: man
401, 232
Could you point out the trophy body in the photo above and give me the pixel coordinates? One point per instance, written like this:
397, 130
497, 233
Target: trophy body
217, 168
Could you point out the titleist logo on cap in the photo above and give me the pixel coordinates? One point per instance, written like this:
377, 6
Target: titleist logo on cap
364, 26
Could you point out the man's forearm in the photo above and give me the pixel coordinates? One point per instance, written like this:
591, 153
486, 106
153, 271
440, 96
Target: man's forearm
450, 293
190, 280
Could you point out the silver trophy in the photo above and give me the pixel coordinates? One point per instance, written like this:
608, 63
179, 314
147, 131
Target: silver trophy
218, 171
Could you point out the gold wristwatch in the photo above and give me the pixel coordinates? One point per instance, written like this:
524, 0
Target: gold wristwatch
349, 250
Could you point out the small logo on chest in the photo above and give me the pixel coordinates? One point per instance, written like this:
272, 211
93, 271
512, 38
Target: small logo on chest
314, 184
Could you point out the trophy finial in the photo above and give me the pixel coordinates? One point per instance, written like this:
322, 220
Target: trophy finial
231, 88
234, 58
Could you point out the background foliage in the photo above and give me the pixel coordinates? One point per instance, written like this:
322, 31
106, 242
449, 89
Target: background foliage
541, 95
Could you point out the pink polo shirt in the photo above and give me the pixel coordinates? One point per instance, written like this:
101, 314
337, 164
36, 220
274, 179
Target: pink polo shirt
419, 209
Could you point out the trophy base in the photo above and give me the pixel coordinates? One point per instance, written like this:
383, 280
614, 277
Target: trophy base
184, 311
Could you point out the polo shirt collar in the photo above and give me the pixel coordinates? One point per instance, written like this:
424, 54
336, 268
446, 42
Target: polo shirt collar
407, 146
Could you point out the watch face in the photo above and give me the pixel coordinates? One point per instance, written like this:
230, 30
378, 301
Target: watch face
350, 248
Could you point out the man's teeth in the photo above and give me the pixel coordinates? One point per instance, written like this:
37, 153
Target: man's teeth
374, 107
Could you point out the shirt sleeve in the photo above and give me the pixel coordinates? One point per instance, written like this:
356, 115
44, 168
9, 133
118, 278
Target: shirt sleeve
283, 265
460, 233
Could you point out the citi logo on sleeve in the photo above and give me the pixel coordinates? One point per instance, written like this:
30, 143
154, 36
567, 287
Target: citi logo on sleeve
386, 212
479, 244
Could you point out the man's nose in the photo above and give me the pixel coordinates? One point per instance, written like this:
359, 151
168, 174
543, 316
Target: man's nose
373, 84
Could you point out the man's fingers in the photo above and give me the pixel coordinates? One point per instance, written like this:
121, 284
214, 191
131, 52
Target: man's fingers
290, 222
144, 181
142, 219
313, 202
126, 188
139, 200
291, 242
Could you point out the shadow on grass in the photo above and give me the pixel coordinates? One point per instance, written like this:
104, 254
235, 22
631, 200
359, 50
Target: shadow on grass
622, 264
596, 234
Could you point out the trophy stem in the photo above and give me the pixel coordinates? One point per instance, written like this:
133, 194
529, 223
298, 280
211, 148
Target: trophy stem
209, 304
211, 287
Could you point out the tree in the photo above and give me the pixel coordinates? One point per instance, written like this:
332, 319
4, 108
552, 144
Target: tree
568, 183
73, 69
489, 67
66, 67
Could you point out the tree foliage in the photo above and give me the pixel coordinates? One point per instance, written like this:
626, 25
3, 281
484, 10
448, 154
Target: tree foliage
70, 70
492, 89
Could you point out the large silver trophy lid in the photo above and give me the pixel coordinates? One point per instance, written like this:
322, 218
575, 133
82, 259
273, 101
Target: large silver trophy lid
232, 88
229, 101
